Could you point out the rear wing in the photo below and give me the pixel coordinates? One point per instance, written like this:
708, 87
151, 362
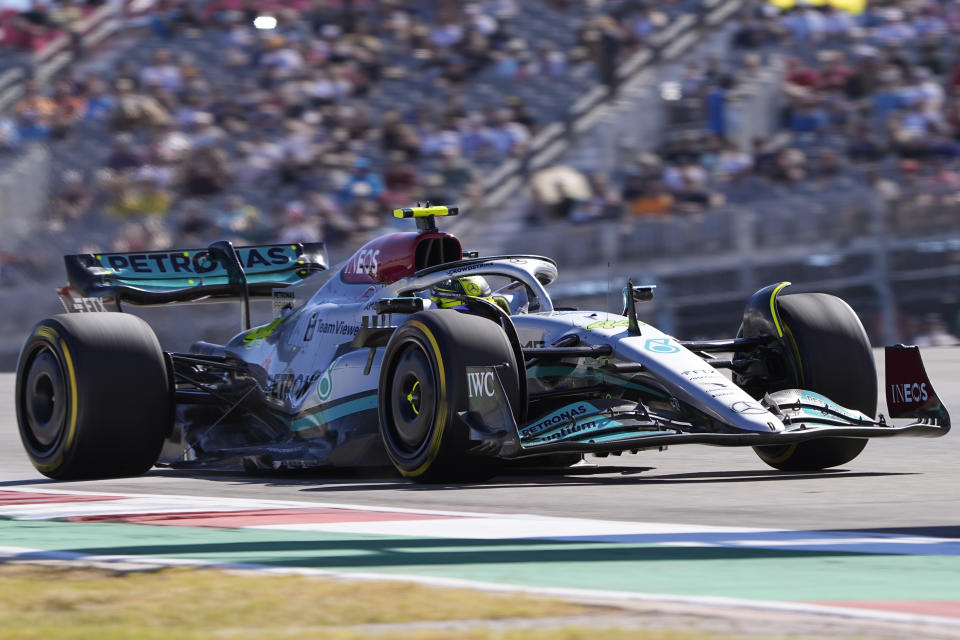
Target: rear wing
103, 281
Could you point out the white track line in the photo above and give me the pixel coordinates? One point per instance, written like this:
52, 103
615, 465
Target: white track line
480, 526
238, 503
487, 526
461, 524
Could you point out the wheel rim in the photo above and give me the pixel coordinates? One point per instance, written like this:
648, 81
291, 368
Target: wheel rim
412, 400
45, 401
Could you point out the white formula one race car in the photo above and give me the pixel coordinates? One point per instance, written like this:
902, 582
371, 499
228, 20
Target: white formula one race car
441, 363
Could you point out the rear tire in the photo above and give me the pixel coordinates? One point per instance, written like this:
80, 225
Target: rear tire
92, 396
423, 385
835, 360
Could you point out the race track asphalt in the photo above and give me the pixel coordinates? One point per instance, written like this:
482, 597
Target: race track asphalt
701, 528
908, 484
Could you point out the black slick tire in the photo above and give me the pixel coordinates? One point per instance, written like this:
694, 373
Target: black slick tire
423, 386
93, 396
834, 359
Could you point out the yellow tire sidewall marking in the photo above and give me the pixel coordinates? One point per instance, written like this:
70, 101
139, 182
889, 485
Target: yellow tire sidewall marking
784, 331
441, 414
783, 457
50, 335
47, 332
72, 375
773, 307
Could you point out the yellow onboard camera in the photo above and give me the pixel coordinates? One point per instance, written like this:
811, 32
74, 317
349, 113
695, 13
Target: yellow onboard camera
425, 215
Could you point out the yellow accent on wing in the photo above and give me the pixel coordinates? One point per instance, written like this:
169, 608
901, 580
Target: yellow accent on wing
262, 333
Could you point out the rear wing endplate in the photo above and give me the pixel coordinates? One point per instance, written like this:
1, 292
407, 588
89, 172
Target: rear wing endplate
102, 281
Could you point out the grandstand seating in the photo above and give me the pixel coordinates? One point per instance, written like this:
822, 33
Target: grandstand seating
831, 217
547, 98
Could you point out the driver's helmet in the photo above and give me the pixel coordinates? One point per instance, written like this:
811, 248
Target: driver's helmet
449, 293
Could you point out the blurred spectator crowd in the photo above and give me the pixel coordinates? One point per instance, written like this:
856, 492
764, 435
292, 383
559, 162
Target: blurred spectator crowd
274, 121
301, 120
288, 119
870, 99
30, 25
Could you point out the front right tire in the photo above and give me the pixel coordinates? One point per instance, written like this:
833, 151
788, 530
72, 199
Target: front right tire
834, 359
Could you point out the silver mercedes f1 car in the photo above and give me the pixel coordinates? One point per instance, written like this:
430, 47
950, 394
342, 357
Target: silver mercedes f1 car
439, 362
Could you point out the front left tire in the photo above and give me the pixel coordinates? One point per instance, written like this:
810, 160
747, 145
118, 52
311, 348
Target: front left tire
93, 396
423, 387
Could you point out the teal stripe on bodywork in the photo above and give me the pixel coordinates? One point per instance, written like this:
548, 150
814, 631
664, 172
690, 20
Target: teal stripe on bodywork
325, 416
173, 283
184, 282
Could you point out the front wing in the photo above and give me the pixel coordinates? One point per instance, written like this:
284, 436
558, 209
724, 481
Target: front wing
598, 425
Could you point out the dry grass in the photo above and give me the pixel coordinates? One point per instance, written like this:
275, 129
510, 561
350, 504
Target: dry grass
67, 603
